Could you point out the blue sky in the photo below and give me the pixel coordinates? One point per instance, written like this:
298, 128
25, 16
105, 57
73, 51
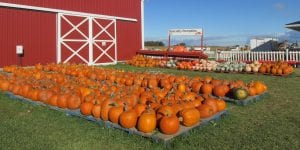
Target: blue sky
225, 22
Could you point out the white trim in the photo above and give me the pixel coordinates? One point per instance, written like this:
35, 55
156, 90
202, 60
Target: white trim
116, 48
90, 41
74, 27
58, 39
142, 24
105, 40
105, 64
19, 6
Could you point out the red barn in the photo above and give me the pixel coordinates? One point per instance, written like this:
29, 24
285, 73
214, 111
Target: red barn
82, 31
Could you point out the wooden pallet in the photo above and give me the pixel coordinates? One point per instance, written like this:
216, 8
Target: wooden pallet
247, 101
155, 136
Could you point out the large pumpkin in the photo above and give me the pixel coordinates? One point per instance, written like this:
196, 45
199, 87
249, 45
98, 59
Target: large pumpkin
221, 105
260, 87
128, 119
206, 89
147, 121
86, 108
219, 90
206, 111
114, 113
96, 110
190, 116
196, 86
169, 125
164, 111
105, 106
74, 102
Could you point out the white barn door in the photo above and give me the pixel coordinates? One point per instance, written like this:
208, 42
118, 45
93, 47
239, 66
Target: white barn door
85, 39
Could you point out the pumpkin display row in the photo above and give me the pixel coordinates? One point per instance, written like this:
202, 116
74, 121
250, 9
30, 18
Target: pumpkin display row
272, 68
142, 100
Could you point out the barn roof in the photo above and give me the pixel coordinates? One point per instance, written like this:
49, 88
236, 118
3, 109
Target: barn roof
294, 26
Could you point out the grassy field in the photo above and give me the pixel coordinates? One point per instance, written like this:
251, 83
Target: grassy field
273, 123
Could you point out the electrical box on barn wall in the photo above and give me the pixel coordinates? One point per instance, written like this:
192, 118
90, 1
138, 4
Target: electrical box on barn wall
19, 49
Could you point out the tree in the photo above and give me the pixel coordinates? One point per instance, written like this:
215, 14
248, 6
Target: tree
181, 44
154, 43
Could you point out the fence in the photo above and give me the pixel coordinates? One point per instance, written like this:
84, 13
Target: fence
291, 56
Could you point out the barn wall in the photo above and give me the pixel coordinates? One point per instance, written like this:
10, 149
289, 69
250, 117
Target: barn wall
121, 8
129, 40
36, 30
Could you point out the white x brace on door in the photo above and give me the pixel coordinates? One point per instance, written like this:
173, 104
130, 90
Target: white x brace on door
86, 39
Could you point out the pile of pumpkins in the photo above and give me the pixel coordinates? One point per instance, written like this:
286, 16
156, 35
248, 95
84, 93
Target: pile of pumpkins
274, 68
143, 61
171, 63
253, 67
231, 67
277, 68
144, 101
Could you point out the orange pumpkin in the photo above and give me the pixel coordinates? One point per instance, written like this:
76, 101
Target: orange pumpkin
114, 113
105, 106
139, 108
181, 87
259, 87
86, 108
62, 100
169, 125
219, 91
196, 86
53, 100
262, 69
74, 102
4, 85
189, 116
221, 105
206, 111
147, 121
206, 89
251, 91
164, 111
128, 119
96, 110
213, 103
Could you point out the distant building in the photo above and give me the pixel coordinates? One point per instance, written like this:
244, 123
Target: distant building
294, 26
263, 44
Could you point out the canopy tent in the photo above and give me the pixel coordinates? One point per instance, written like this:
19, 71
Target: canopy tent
294, 26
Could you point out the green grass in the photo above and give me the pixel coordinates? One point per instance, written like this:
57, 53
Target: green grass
273, 123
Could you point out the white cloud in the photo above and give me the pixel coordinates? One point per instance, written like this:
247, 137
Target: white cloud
279, 6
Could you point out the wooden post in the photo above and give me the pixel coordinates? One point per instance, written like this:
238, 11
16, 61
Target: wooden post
169, 43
